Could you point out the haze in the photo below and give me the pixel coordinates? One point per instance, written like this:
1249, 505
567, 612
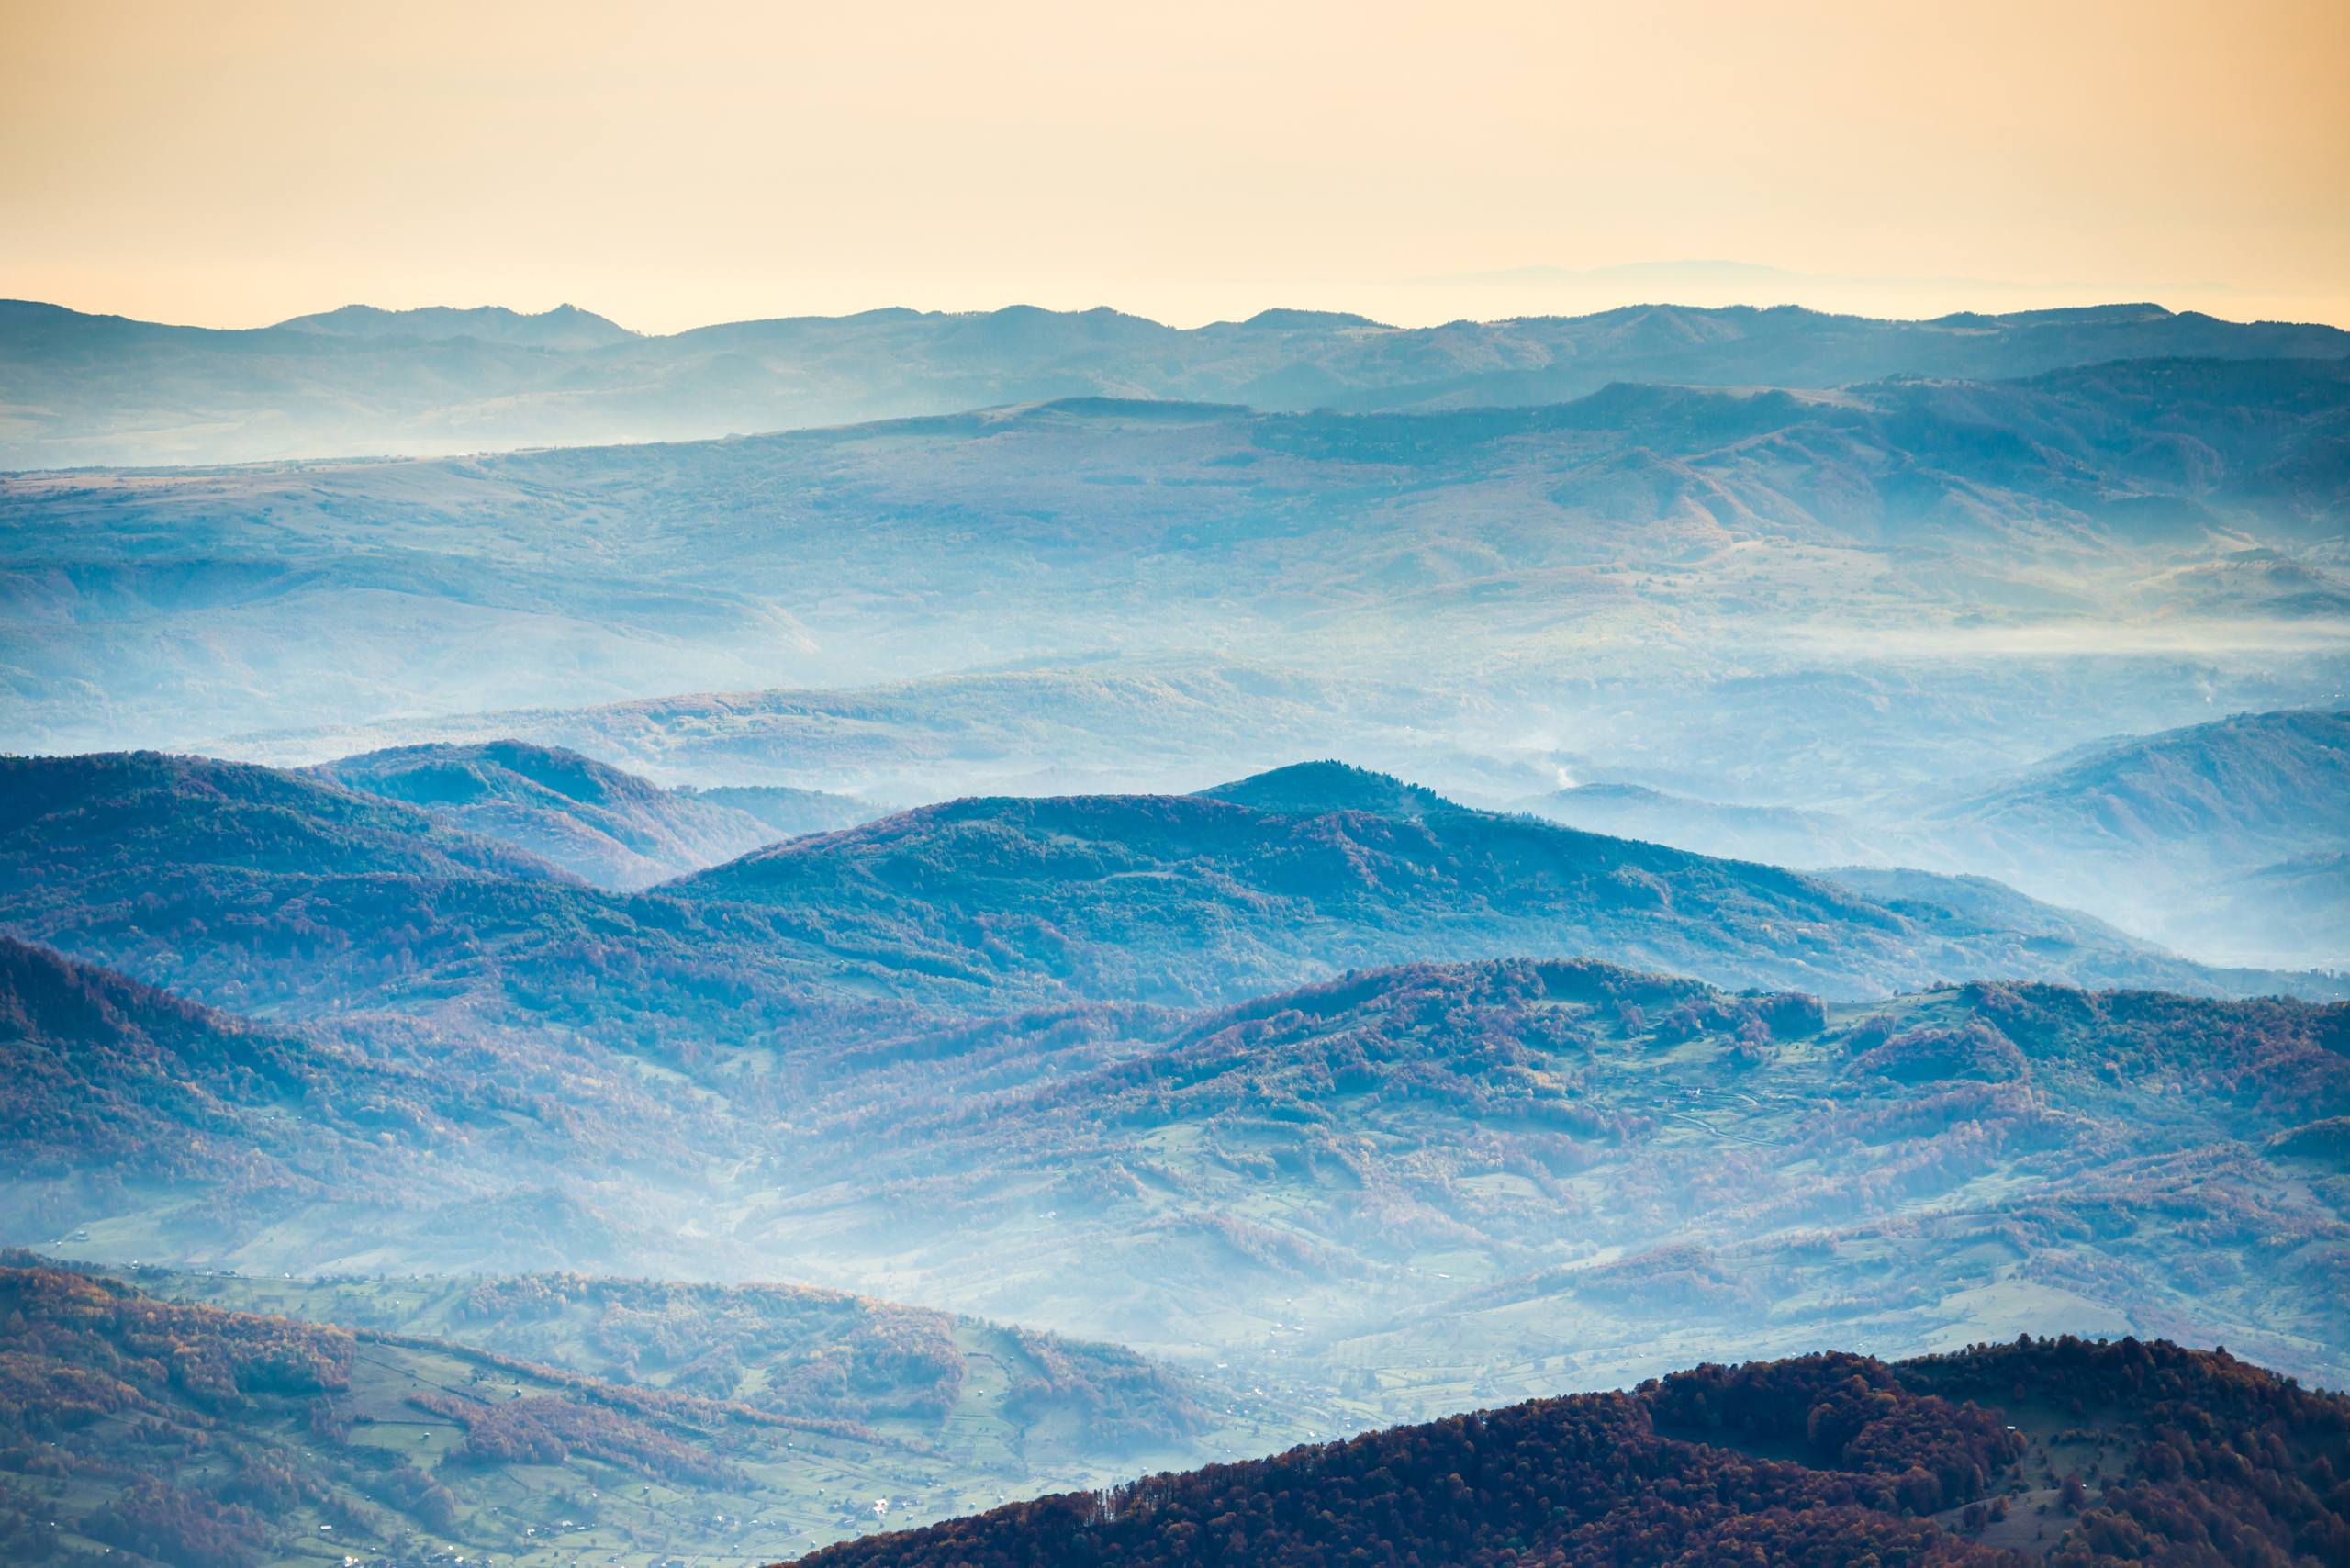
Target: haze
1490, 160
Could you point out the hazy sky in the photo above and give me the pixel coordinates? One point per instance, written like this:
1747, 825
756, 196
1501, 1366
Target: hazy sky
231, 163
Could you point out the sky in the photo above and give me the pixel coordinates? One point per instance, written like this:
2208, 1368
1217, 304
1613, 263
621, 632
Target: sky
232, 163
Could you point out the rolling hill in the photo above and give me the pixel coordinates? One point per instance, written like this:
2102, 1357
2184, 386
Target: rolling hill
146, 807
2221, 839
117, 1093
1111, 724
2241, 790
603, 825
942, 1063
365, 380
1986, 1458
262, 890
906, 1372
787, 812
2295, 910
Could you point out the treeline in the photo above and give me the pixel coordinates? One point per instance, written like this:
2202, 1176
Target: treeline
545, 1430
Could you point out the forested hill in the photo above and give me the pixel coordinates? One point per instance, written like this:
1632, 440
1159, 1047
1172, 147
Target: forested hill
110, 1082
1295, 874
142, 809
2063, 1451
2249, 787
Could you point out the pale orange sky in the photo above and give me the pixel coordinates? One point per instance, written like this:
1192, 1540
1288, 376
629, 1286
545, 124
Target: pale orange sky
231, 163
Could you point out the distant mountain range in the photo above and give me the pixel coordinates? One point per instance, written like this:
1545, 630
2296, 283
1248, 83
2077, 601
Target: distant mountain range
102, 389
1791, 885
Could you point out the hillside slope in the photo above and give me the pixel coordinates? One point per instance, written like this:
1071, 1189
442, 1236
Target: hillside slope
911, 1373
196, 1438
144, 807
785, 811
2173, 831
2241, 790
261, 890
111, 1088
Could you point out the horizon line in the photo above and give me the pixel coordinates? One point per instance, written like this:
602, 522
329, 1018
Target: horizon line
1354, 318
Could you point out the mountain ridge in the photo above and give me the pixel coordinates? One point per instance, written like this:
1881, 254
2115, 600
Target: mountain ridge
1186, 899
601, 824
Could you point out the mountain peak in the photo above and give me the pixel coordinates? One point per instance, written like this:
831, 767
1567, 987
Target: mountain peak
1312, 788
